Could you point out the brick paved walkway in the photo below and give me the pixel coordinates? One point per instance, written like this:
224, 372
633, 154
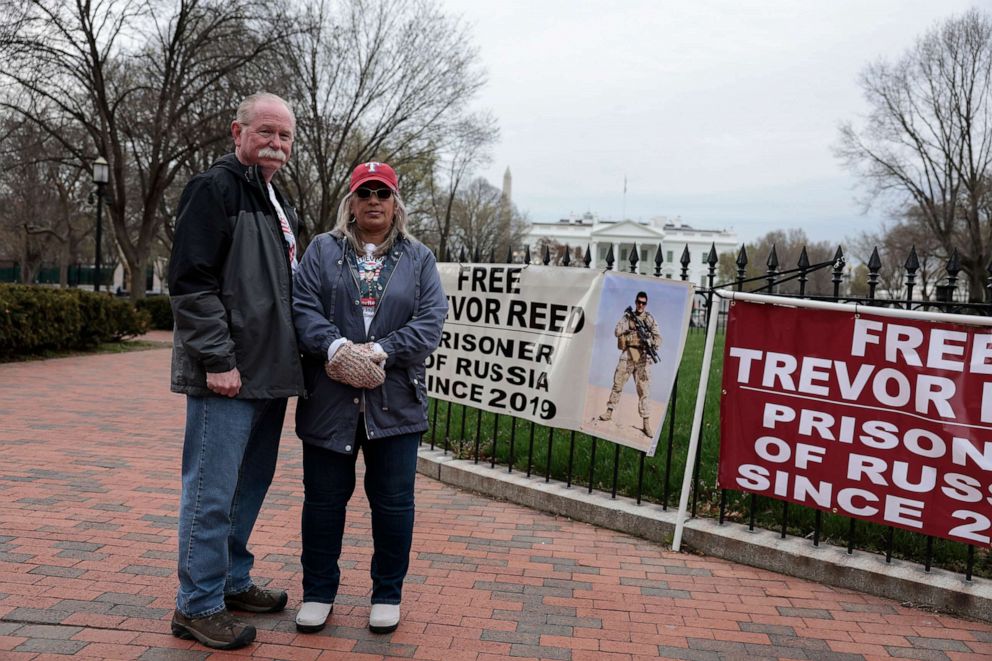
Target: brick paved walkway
89, 461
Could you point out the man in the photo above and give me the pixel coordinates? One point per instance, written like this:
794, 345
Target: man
635, 353
235, 357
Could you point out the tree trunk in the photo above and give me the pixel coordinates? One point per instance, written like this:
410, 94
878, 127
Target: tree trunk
976, 285
135, 271
64, 265
25, 259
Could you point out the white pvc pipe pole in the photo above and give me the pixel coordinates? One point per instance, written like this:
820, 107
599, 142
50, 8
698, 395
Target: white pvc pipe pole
697, 422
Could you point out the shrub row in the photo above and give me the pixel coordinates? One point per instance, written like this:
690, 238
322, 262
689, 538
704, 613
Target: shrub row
39, 319
160, 310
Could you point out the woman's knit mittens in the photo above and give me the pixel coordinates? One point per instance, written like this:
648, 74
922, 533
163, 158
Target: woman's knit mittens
358, 365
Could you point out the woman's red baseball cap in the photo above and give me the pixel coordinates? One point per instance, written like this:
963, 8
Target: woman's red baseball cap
373, 171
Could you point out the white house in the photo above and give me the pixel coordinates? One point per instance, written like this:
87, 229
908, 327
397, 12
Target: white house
599, 235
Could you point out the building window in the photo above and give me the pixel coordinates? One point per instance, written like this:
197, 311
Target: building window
702, 260
668, 257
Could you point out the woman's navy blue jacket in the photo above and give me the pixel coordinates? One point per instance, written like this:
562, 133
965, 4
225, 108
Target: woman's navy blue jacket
407, 325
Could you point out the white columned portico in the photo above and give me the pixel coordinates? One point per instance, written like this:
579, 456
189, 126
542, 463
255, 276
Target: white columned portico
601, 237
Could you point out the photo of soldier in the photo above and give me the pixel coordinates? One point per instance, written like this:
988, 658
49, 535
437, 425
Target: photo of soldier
638, 340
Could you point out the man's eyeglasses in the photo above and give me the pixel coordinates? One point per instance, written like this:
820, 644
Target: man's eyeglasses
366, 193
641, 302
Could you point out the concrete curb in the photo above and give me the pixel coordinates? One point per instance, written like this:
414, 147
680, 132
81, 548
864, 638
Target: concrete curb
864, 572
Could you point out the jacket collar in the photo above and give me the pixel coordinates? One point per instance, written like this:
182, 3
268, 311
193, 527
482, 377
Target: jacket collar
250, 173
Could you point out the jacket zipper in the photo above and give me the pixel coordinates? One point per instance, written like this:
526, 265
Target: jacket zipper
376, 311
253, 173
358, 291
358, 288
385, 400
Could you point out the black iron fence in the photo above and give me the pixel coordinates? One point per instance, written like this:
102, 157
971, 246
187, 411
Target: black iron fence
10, 271
77, 275
580, 460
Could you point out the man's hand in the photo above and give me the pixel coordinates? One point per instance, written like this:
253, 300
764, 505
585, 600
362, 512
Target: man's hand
227, 383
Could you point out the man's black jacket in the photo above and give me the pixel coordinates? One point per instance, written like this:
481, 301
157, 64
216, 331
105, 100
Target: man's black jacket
231, 286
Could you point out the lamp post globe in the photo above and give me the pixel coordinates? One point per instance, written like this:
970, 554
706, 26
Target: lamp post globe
101, 175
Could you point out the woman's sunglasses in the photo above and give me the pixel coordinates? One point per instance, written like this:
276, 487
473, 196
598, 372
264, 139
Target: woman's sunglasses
366, 193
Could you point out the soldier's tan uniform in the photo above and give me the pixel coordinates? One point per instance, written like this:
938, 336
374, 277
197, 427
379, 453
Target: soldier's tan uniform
633, 361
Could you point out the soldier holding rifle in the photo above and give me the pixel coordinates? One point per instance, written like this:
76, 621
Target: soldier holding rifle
638, 340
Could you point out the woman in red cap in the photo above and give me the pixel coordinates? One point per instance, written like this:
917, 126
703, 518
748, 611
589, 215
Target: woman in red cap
369, 308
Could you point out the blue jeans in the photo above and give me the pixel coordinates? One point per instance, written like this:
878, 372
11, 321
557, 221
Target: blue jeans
229, 458
329, 481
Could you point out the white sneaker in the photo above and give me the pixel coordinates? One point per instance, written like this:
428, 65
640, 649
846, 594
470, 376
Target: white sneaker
384, 618
312, 616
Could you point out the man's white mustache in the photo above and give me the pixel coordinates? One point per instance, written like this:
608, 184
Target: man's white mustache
265, 152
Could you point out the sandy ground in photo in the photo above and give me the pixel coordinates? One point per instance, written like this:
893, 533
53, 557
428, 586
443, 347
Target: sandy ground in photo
625, 427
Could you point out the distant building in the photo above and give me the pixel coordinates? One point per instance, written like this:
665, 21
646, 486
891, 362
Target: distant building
644, 236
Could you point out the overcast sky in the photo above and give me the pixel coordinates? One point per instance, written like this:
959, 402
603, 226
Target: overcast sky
721, 112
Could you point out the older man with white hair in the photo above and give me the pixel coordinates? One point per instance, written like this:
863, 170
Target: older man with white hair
236, 360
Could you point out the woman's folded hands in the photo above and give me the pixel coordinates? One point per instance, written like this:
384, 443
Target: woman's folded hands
358, 365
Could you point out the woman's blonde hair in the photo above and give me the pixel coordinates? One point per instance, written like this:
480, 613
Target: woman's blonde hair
347, 226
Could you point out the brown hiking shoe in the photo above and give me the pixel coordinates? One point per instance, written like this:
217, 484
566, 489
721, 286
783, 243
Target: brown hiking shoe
257, 600
220, 631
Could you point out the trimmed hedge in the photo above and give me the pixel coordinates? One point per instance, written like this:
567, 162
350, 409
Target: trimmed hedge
39, 319
160, 309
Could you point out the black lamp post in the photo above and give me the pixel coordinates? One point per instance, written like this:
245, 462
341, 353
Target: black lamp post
101, 175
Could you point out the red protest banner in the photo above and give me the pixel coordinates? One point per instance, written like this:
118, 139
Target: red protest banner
875, 417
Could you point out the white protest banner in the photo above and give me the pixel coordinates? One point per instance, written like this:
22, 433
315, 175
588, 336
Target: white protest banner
540, 343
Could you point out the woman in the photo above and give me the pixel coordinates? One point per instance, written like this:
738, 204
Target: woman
368, 308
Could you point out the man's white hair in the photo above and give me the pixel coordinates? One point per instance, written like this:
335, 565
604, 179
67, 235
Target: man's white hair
247, 107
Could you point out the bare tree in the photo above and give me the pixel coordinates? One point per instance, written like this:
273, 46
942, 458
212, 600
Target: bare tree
14, 20
482, 223
927, 140
787, 247
372, 81
554, 249
49, 227
858, 284
896, 243
148, 83
467, 148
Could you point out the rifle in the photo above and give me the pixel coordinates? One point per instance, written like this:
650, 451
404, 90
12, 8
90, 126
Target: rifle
643, 334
